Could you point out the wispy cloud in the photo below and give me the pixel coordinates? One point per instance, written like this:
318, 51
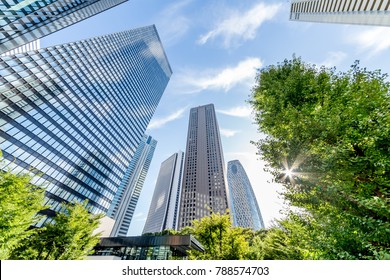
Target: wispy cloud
333, 59
160, 122
222, 79
236, 27
173, 23
139, 217
228, 132
239, 111
372, 41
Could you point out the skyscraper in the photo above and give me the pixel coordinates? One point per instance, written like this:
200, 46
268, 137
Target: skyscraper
370, 12
32, 46
126, 198
23, 21
244, 207
204, 188
76, 113
164, 208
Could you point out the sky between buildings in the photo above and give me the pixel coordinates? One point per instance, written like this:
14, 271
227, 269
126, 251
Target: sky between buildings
214, 48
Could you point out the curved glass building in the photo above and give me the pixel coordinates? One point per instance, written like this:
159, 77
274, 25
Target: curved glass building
75, 113
244, 208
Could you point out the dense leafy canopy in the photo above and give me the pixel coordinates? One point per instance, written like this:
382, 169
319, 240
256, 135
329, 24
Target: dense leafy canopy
69, 237
328, 142
19, 203
219, 238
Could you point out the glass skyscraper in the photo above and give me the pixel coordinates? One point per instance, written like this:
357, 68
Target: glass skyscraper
32, 46
244, 208
370, 12
164, 208
204, 186
23, 21
126, 198
75, 113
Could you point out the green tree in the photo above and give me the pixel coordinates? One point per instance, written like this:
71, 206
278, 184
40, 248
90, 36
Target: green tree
256, 245
69, 237
328, 142
220, 239
20, 201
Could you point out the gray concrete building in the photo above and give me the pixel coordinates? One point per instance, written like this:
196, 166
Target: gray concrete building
204, 185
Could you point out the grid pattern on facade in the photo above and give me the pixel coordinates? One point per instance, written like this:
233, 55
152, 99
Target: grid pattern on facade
32, 46
204, 188
75, 113
176, 193
244, 207
372, 12
125, 200
164, 208
24, 21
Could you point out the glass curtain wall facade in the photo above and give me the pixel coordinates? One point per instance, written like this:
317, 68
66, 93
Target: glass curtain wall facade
244, 207
33, 46
164, 208
124, 203
76, 113
370, 12
148, 247
204, 185
23, 21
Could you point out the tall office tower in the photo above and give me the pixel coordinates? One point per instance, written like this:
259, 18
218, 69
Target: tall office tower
244, 208
76, 113
370, 12
23, 21
204, 187
126, 198
164, 208
33, 46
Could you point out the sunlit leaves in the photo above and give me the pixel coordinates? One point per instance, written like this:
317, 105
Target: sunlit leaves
19, 203
337, 126
69, 237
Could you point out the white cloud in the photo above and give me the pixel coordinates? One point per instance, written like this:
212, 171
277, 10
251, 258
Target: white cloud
138, 215
222, 79
173, 24
228, 132
160, 122
236, 26
333, 59
373, 40
239, 111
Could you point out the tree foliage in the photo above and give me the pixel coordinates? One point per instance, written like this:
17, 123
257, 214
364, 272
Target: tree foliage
219, 238
19, 203
69, 237
328, 141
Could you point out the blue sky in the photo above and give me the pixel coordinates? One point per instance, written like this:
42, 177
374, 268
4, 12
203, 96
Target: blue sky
214, 48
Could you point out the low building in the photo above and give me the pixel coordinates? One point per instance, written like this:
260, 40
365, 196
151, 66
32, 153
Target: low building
166, 247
